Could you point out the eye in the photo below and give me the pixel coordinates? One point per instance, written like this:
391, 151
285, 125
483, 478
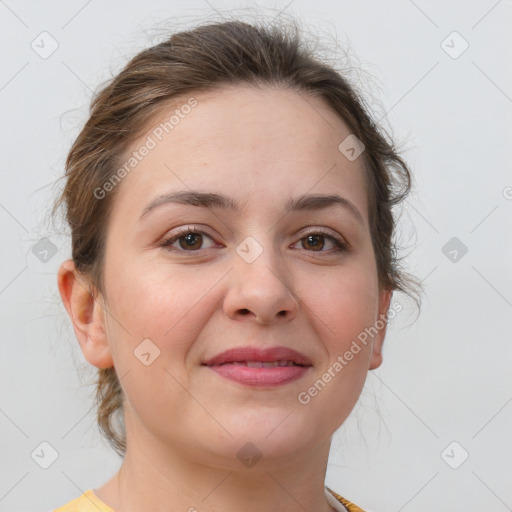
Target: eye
188, 239
315, 241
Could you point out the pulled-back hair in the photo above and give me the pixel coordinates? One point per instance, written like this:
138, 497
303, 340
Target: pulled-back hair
208, 57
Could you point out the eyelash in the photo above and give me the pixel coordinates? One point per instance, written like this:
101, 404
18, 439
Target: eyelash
340, 245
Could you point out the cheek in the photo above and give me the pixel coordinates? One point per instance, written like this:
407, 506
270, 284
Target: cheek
165, 307
168, 311
345, 301
342, 307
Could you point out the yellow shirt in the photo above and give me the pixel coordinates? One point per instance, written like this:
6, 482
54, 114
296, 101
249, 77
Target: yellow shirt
89, 502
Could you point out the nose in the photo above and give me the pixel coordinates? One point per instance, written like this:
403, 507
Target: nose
260, 291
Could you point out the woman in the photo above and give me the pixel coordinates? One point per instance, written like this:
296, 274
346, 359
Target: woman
230, 204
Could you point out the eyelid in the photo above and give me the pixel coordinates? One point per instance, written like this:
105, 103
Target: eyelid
322, 231
181, 232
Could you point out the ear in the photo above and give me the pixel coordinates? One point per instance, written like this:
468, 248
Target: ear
378, 340
87, 315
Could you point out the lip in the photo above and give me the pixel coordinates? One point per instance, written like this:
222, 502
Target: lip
243, 354
229, 365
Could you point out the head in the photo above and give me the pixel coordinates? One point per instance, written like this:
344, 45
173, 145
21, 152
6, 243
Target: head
249, 118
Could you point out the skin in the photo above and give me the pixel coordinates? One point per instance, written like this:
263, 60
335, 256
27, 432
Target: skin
185, 424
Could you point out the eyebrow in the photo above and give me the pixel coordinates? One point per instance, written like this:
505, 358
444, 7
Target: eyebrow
212, 200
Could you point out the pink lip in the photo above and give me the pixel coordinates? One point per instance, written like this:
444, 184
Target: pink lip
224, 365
259, 354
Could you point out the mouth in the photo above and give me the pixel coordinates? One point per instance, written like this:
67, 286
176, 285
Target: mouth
258, 367
262, 364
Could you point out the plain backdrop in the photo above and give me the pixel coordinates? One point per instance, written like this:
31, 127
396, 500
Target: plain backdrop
432, 428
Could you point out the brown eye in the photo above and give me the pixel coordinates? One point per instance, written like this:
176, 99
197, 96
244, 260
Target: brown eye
314, 242
191, 241
187, 240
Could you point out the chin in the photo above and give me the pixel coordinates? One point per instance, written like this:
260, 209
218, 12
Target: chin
270, 435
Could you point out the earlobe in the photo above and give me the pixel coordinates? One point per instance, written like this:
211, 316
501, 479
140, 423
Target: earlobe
381, 325
87, 315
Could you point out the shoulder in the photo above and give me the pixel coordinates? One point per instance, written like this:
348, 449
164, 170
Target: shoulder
87, 502
348, 505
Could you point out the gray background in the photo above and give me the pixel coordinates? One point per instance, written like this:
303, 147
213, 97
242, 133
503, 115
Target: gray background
446, 377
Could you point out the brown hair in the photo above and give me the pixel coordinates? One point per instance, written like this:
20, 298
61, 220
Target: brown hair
205, 58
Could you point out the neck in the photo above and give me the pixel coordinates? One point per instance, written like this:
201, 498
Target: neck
157, 478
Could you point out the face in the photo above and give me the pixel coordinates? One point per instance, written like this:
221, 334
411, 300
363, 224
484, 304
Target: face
248, 274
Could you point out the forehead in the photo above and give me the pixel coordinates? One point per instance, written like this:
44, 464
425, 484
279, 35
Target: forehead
248, 142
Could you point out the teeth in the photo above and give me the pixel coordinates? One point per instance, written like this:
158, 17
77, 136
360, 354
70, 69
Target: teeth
261, 364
